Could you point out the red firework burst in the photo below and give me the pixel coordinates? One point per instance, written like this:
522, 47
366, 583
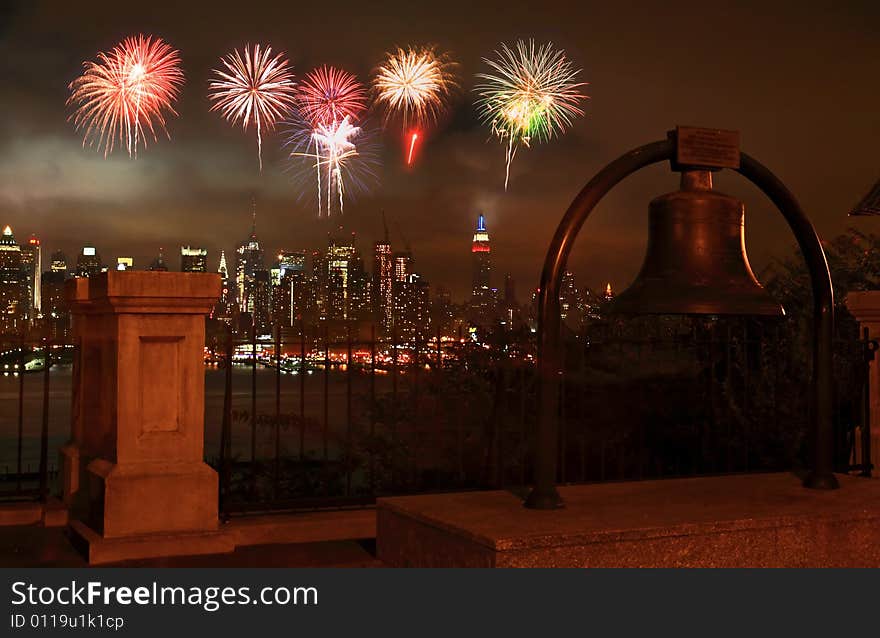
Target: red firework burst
329, 95
126, 93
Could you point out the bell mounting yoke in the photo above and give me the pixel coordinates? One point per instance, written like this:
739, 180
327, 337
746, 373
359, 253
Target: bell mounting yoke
686, 148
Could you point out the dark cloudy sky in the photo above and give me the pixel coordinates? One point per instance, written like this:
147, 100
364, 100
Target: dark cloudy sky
798, 79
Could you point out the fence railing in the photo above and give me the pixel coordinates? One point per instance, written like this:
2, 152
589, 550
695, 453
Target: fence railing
320, 419
26, 391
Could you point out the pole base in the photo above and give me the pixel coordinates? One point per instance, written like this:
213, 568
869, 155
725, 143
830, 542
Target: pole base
544, 499
821, 481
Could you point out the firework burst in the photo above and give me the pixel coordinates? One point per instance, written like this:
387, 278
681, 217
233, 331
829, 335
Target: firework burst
254, 88
126, 94
414, 84
530, 93
328, 95
329, 102
339, 154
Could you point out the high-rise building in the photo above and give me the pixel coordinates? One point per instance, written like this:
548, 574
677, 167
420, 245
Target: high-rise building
59, 262
249, 259
56, 313
403, 265
342, 264
443, 311
412, 310
383, 278
193, 259
88, 262
13, 288
158, 264
291, 261
482, 266
125, 263
32, 265
483, 307
261, 293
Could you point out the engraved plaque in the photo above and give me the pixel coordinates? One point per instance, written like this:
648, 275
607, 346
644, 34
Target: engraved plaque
707, 147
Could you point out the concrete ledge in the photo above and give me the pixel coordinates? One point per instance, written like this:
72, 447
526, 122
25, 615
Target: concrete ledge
98, 549
53, 513
21, 513
307, 527
764, 520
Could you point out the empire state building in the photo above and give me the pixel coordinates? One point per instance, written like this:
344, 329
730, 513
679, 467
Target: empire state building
482, 267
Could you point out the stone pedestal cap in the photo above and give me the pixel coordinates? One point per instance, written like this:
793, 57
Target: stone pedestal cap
133, 291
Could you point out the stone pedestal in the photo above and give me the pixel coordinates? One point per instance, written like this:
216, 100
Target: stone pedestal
865, 307
134, 470
756, 520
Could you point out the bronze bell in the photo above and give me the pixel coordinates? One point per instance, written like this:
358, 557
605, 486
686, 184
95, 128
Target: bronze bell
696, 261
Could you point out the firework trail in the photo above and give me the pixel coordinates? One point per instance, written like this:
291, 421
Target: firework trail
414, 85
126, 93
253, 88
328, 95
530, 93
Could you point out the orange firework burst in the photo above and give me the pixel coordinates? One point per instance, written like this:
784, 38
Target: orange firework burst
254, 89
414, 83
329, 95
126, 93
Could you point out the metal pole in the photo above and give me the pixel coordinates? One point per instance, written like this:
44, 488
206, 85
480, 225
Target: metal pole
349, 370
21, 364
821, 474
870, 350
372, 404
302, 389
544, 494
254, 401
277, 475
226, 427
44, 430
326, 388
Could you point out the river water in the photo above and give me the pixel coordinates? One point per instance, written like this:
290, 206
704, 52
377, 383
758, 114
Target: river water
60, 404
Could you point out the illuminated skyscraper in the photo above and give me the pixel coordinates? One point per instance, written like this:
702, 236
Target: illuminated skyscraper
59, 262
383, 278
13, 288
291, 261
261, 298
482, 267
224, 280
32, 265
341, 258
56, 313
88, 262
412, 309
249, 259
193, 259
224, 306
124, 263
403, 265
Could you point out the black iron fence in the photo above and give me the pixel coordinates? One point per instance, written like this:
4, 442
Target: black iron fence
313, 418
332, 418
28, 468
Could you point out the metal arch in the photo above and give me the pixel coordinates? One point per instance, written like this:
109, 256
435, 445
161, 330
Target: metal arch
544, 494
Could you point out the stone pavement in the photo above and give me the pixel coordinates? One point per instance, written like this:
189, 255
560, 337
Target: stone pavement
37, 546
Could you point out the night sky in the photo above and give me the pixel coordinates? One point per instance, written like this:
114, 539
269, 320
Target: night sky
798, 79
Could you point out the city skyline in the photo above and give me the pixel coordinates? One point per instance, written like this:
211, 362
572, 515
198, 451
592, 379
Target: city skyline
184, 254
197, 190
